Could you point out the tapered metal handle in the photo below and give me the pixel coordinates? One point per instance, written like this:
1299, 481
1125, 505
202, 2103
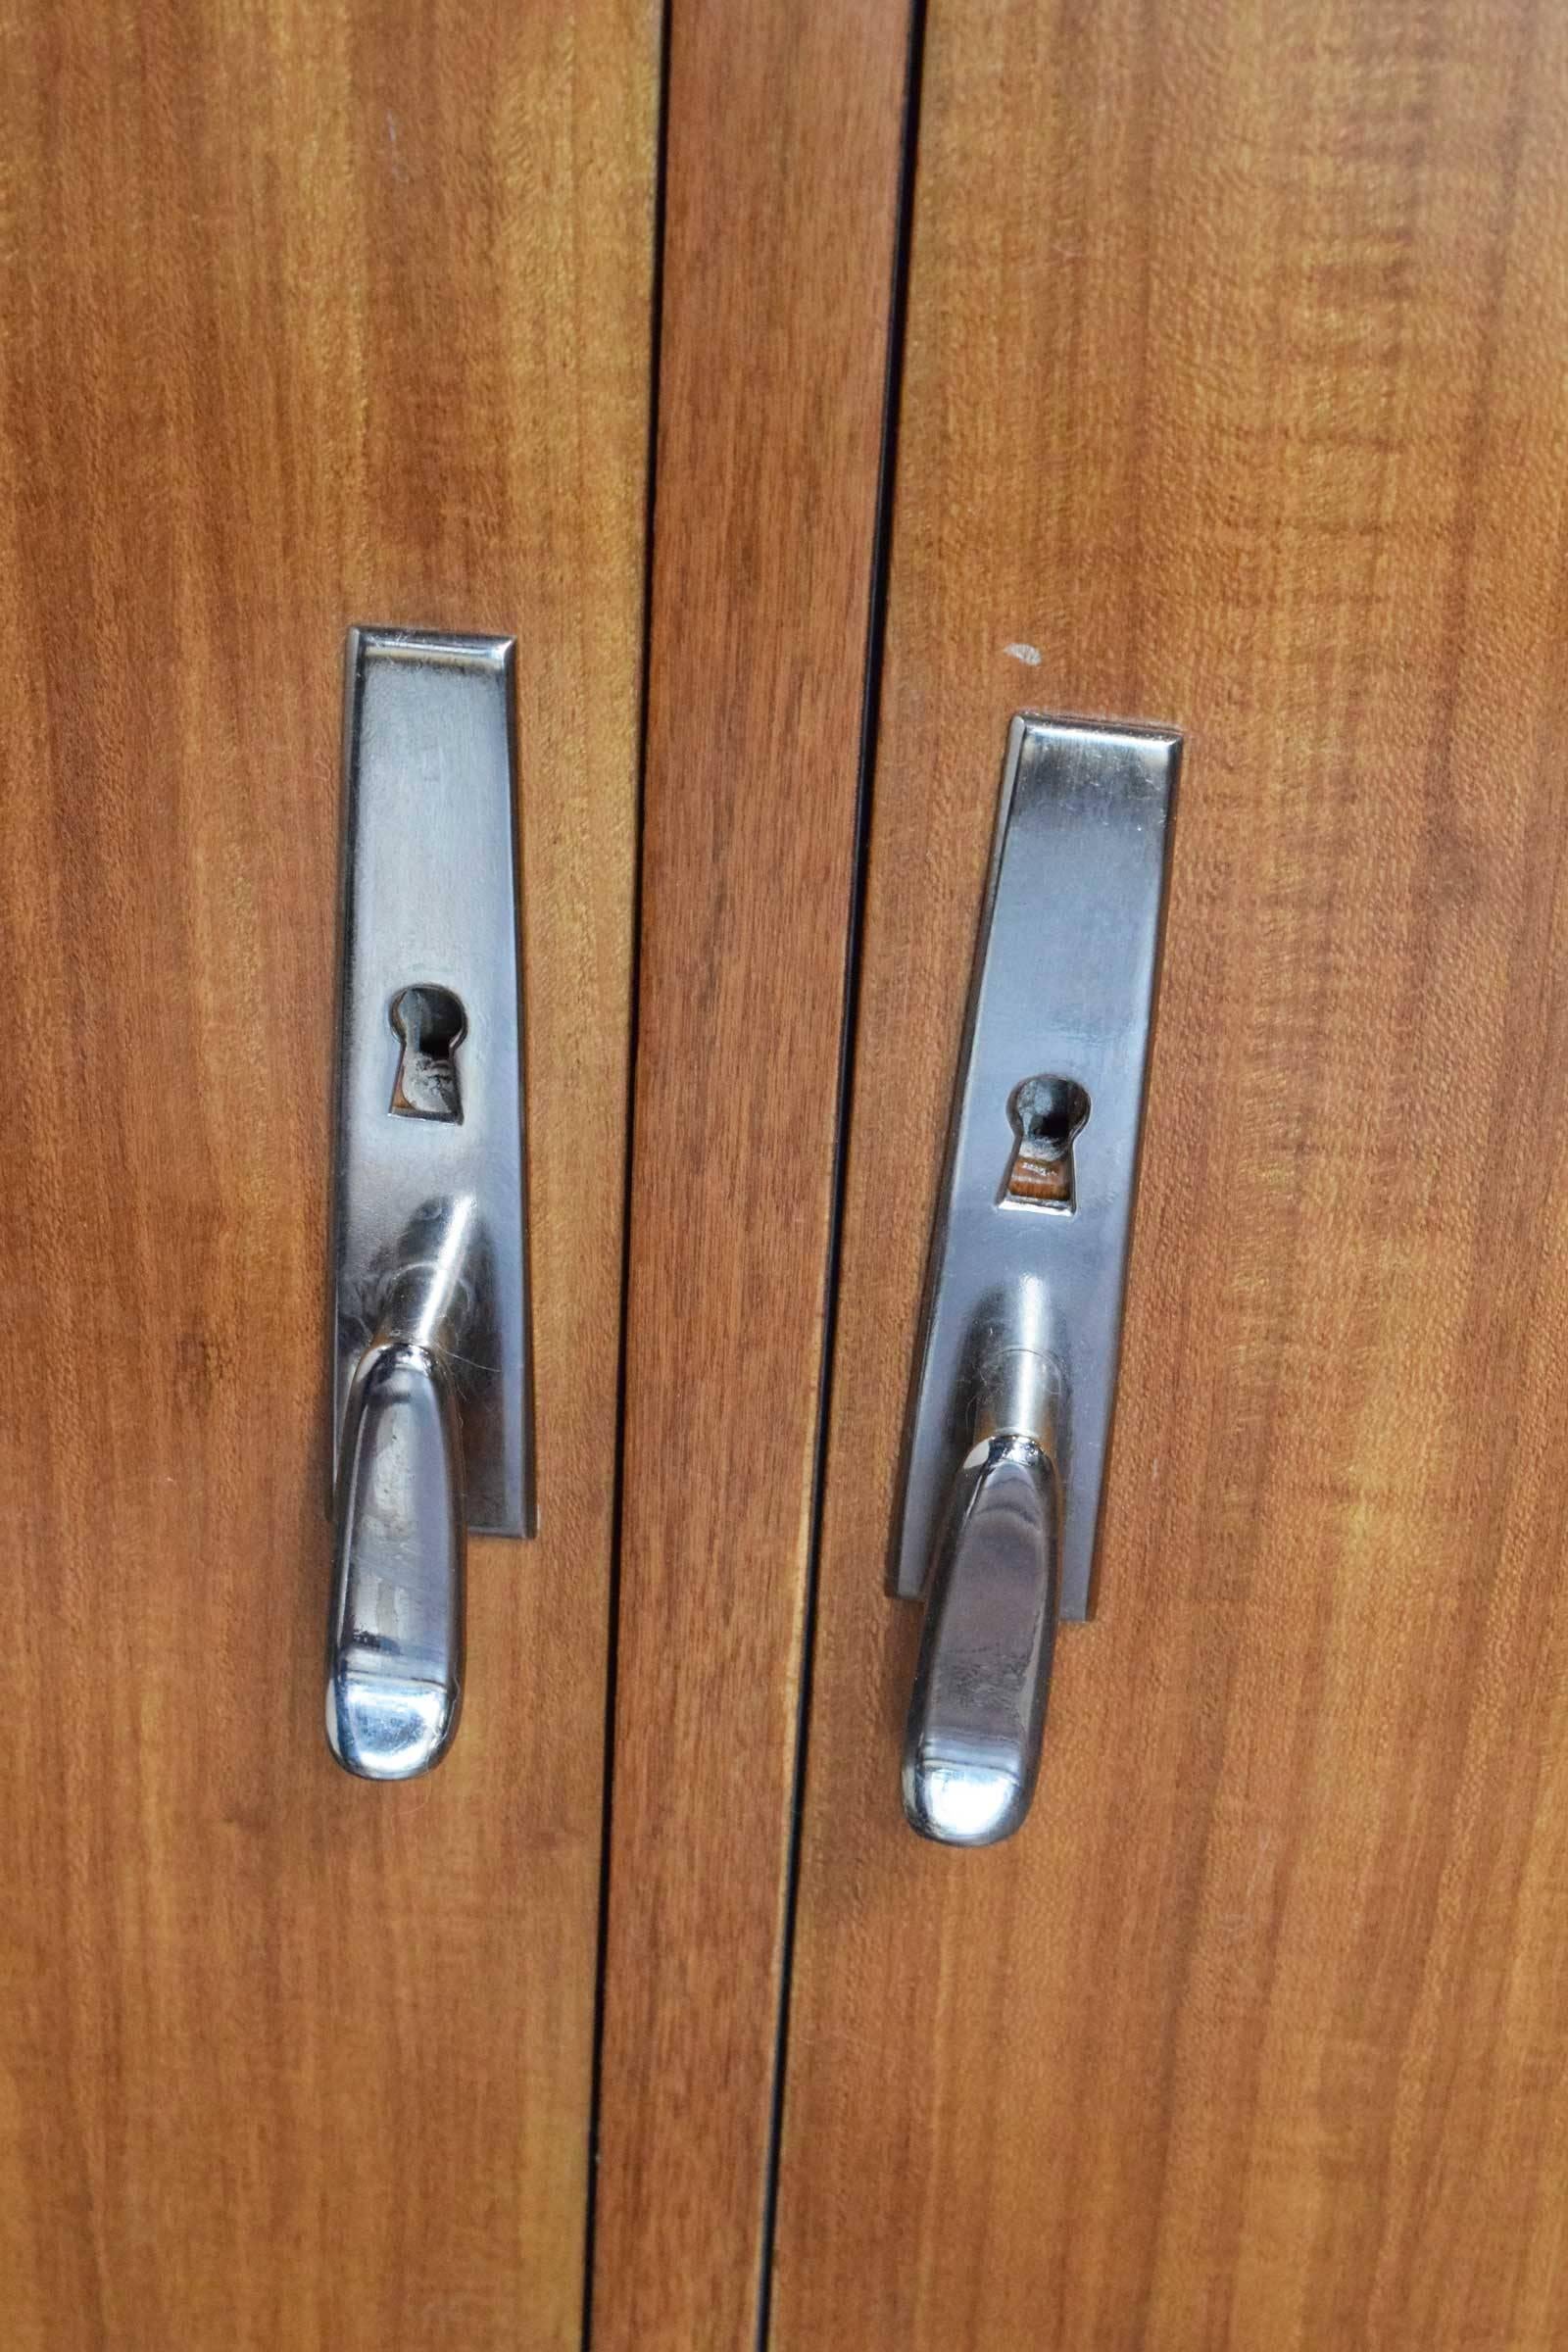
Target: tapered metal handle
971, 1751
394, 1682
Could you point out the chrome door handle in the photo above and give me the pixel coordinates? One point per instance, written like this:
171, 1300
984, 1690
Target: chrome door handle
395, 1681
395, 1639
431, 1378
973, 1747
1010, 1410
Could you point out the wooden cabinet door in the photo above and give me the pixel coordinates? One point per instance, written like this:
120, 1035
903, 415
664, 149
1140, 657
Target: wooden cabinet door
308, 315
1226, 392
1233, 397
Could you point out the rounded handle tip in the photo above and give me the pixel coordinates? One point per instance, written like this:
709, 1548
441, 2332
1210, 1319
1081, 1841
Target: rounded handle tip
960, 1801
385, 1729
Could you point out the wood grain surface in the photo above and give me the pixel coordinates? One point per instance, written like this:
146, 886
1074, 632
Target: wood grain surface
782, 159
1234, 398
307, 314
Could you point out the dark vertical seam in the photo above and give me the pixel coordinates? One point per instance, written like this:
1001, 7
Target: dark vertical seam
875, 645
617, 1498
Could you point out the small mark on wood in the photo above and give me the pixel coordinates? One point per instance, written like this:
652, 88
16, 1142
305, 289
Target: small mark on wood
1024, 653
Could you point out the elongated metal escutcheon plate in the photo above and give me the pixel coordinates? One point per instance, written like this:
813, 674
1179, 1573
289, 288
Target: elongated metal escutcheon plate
430, 1079
1029, 1248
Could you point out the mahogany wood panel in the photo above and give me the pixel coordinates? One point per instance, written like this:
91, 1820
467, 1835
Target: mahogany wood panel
782, 161
1235, 397
307, 314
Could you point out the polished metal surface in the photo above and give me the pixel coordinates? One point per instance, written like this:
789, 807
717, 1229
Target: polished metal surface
1060, 1002
971, 1750
395, 1642
431, 1389
1010, 1407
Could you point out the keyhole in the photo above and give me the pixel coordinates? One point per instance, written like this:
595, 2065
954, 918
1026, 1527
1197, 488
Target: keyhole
431, 1023
1047, 1113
